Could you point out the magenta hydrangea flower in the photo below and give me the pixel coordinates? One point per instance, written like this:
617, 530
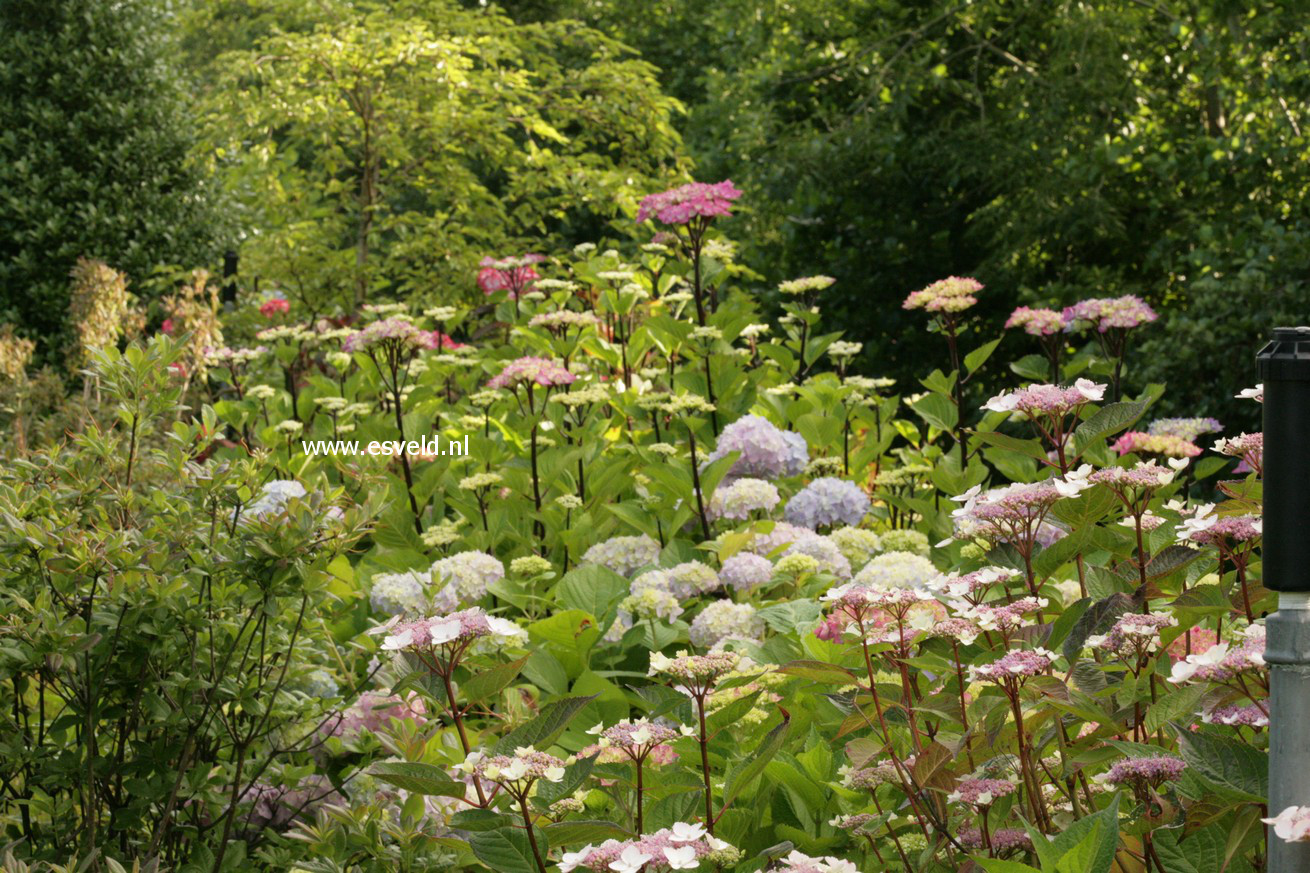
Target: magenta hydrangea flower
1043, 400
695, 199
1036, 322
1238, 715
514, 275
1003, 840
534, 370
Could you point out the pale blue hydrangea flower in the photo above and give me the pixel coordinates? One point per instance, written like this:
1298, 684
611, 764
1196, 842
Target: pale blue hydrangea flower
466, 576
623, 555
858, 544
767, 451
897, 570
723, 620
744, 571
826, 502
398, 593
736, 500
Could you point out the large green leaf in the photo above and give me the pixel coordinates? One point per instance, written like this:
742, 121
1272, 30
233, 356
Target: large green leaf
418, 778
747, 770
546, 728
505, 850
1236, 768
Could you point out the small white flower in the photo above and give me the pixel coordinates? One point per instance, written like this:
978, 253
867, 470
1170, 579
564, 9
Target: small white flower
681, 832
681, 858
632, 860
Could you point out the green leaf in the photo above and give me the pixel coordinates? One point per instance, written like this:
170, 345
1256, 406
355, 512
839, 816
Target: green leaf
577, 833
1201, 851
505, 850
979, 356
490, 682
1107, 422
1234, 767
592, 589
1000, 865
746, 771
1104, 826
938, 411
419, 778
546, 728
820, 671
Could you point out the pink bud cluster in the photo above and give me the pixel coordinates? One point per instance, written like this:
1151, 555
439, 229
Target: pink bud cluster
1238, 715
394, 329
952, 294
1105, 313
1154, 770
1143, 443
1250, 447
539, 371
1036, 322
980, 793
1003, 840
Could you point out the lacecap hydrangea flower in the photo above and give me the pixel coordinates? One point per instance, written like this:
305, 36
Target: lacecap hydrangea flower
767, 451
723, 620
826, 502
466, 576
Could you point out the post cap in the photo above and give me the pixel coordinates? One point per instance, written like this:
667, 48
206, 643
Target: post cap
1286, 357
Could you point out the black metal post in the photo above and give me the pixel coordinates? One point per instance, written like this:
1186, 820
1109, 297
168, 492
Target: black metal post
1285, 370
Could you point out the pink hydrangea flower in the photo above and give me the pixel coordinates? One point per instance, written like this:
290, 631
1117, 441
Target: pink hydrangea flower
695, 199
980, 793
1105, 313
1041, 400
1153, 771
514, 275
274, 306
1292, 824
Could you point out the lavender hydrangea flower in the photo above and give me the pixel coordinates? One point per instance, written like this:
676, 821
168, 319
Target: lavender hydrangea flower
767, 451
788, 539
826, 502
744, 571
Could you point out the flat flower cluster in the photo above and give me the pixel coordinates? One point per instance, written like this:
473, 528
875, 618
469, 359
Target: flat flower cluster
1047, 399
1106, 313
680, 847
1036, 321
693, 200
456, 628
1018, 664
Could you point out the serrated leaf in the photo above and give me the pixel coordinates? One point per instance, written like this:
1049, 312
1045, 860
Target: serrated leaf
1228, 765
487, 684
505, 850
418, 778
546, 728
577, 833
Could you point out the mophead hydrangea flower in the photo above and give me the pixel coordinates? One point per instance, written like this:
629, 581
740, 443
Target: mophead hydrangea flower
767, 451
826, 502
723, 620
274, 497
788, 539
744, 571
739, 499
623, 555
897, 570
1189, 429
398, 593
464, 578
